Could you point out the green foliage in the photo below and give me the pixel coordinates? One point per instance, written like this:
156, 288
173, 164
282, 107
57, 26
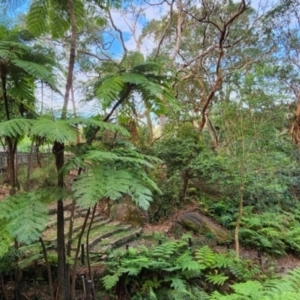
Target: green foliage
113, 174
286, 288
148, 79
172, 270
54, 130
5, 238
15, 127
14, 208
177, 150
272, 232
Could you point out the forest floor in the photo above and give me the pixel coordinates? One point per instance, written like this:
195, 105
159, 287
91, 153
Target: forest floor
39, 290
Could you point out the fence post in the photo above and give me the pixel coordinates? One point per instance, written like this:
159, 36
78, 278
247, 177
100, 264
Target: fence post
89, 289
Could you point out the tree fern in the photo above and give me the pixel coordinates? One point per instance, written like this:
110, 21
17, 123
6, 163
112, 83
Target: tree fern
148, 79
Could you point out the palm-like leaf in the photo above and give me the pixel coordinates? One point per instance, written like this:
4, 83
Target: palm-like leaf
15, 127
147, 79
58, 130
13, 209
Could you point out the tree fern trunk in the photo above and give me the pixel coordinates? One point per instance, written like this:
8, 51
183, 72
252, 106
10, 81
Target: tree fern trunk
63, 281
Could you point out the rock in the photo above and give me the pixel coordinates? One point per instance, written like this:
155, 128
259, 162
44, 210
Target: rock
203, 225
127, 212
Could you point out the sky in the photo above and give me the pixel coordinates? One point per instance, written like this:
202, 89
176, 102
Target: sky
129, 26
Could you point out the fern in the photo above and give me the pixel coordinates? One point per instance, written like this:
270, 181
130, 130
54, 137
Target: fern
58, 130
205, 256
14, 208
35, 70
93, 122
110, 281
37, 17
165, 250
5, 238
109, 90
217, 279
15, 127
109, 183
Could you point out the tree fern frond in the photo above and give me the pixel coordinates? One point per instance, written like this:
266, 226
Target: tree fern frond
58, 130
109, 90
131, 59
18, 48
35, 70
5, 238
147, 68
15, 127
92, 122
80, 13
59, 21
107, 182
13, 209
37, 17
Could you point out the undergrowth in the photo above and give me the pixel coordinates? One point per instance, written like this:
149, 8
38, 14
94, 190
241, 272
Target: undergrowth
173, 270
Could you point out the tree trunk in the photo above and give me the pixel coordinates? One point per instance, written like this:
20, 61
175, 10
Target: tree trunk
63, 270
71, 58
50, 282
63, 280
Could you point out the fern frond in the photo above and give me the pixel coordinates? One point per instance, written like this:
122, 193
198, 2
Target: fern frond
35, 70
177, 283
59, 21
92, 122
15, 127
109, 281
217, 279
205, 256
106, 182
165, 250
23, 88
37, 17
131, 59
249, 288
58, 130
109, 90
5, 238
186, 262
14, 208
